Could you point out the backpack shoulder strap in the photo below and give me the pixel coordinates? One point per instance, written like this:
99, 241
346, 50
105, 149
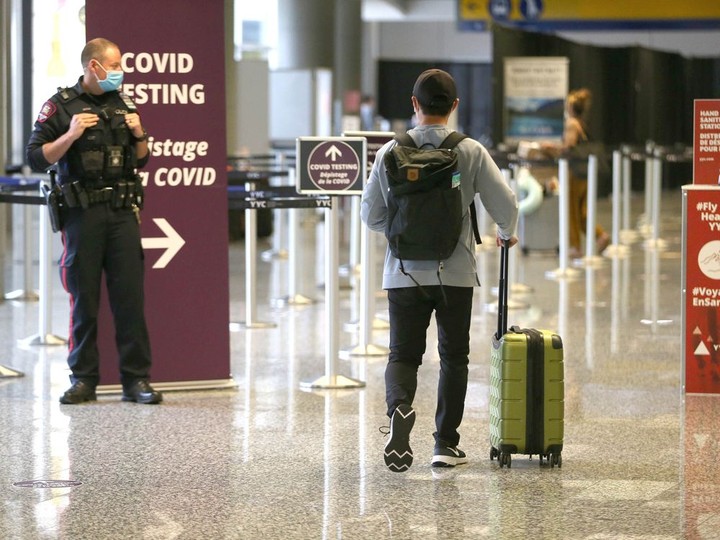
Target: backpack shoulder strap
452, 140
474, 221
404, 139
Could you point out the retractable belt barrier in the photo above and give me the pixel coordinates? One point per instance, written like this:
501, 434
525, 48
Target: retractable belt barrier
273, 197
9, 188
654, 157
10, 185
249, 198
12, 191
264, 172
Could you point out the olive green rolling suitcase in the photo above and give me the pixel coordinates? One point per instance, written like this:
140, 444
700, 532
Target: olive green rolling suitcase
526, 388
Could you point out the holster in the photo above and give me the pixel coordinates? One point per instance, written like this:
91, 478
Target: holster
53, 200
135, 187
120, 196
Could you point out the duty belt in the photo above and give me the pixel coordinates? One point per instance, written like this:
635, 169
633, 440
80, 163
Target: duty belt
99, 196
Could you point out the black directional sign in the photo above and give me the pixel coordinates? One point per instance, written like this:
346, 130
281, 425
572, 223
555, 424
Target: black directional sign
331, 165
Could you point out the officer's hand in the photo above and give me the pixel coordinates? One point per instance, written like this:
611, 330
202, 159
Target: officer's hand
80, 122
132, 120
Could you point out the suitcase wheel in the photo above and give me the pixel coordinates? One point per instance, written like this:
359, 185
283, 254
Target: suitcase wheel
505, 459
494, 453
552, 459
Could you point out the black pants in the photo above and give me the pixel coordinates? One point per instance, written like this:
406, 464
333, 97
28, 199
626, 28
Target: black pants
101, 239
410, 312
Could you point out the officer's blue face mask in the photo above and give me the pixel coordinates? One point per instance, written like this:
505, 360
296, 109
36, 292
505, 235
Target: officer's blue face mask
112, 80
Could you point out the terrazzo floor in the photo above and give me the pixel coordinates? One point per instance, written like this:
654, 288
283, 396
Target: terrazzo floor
271, 459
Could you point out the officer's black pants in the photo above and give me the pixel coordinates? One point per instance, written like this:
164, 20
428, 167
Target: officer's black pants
100, 239
410, 313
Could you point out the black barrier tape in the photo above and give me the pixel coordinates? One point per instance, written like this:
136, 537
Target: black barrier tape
22, 199
265, 193
255, 204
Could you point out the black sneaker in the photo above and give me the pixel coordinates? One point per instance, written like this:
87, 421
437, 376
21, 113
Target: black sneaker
398, 454
141, 392
448, 456
79, 392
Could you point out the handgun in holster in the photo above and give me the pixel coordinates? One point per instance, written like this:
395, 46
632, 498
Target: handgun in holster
54, 201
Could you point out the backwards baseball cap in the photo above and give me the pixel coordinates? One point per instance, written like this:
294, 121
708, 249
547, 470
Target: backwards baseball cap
435, 88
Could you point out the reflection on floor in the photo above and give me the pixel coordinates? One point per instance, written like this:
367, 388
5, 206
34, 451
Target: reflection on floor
269, 459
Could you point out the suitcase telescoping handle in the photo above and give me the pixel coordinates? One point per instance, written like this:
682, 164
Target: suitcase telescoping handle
503, 291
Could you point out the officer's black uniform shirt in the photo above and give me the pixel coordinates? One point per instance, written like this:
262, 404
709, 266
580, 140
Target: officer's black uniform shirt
54, 120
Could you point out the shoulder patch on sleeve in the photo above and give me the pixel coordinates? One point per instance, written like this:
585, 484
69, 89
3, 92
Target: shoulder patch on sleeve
48, 109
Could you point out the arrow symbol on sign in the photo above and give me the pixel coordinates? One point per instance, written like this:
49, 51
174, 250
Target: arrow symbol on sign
334, 152
171, 243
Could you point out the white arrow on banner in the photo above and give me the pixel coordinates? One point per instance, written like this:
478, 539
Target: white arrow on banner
171, 242
334, 153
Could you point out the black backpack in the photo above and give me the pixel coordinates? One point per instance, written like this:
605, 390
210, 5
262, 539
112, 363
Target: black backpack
425, 210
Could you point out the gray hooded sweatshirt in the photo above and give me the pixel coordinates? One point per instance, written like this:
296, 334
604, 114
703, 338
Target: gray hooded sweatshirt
478, 174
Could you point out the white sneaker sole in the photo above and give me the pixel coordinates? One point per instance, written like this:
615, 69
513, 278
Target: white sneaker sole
441, 460
398, 454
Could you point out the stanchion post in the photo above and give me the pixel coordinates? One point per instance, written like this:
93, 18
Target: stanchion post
646, 221
351, 269
616, 198
590, 241
277, 251
44, 335
26, 292
564, 270
5, 371
616, 248
591, 258
628, 234
365, 347
626, 187
331, 379
657, 190
251, 268
293, 254
655, 242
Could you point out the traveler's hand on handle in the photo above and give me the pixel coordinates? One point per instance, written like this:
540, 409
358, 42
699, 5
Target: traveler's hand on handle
510, 243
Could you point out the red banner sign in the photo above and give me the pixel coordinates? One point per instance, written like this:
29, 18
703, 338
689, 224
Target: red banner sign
173, 56
706, 149
701, 249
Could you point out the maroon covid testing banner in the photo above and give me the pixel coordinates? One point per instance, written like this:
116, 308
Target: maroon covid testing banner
173, 56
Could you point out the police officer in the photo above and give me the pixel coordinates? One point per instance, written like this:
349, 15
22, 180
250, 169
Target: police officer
94, 134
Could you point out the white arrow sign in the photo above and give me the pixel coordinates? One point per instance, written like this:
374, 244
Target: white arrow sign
334, 152
171, 243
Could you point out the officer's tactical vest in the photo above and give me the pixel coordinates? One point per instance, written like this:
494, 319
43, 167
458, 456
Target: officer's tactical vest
105, 152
